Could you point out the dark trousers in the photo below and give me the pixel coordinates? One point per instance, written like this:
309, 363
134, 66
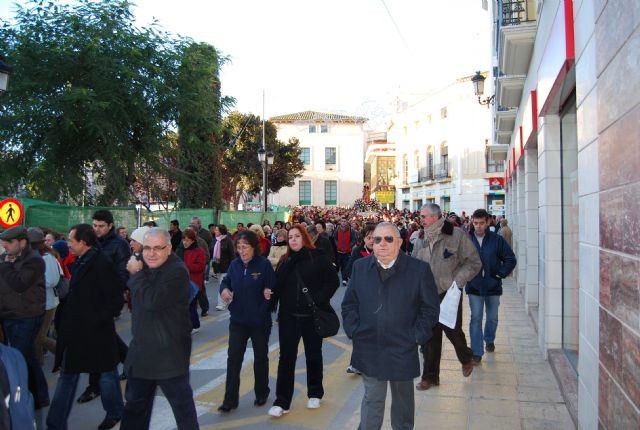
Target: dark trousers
290, 330
341, 262
433, 349
202, 299
94, 378
239, 334
21, 335
140, 394
193, 312
402, 404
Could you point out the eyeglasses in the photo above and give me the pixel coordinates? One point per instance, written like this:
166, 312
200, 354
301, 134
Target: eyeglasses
153, 248
388, 239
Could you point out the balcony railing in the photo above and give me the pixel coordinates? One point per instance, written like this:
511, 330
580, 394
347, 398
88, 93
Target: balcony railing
495, 167
426, 174
442, 171
515, 12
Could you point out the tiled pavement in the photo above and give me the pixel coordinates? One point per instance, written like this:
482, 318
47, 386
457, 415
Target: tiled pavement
513, 388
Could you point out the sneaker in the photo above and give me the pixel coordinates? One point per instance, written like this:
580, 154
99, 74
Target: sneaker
220, 308
313, 403
491, 347
344, 283
195, 330
353, 370
277, 411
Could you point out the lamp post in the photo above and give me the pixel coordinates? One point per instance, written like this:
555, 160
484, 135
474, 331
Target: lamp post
478, 88
5, 70
266, 158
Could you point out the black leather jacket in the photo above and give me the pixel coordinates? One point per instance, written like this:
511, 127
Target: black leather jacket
117, 250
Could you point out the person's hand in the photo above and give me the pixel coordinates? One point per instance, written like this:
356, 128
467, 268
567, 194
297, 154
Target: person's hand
133, 265
226, 295
268, 293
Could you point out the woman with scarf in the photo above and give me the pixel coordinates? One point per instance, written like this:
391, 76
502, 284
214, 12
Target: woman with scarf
302, 266
223, 253
196, 261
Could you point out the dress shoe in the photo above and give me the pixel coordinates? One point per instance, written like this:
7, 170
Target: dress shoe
491, 347
425, 384
225, 408
88, 395
108, 423
260, 402
467, 368
476, 359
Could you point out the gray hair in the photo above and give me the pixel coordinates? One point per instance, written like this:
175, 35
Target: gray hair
433, 209
158, 231
385, 224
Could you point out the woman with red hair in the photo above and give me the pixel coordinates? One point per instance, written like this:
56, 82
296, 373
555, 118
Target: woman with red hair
301, 266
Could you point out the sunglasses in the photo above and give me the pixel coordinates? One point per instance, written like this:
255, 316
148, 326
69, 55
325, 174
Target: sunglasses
378, 239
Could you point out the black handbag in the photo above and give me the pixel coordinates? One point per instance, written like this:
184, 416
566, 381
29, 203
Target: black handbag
325, 322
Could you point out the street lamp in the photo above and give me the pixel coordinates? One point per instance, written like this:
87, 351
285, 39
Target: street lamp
478, 88
266, 159
4, 75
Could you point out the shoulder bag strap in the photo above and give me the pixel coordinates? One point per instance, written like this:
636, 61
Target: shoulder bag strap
304, 290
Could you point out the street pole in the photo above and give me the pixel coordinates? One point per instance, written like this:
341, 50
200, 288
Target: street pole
264, 164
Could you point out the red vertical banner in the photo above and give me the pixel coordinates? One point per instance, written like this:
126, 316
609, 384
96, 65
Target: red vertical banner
513, 152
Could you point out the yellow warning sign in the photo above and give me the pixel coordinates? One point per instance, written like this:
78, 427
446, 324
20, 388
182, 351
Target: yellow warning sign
11, 213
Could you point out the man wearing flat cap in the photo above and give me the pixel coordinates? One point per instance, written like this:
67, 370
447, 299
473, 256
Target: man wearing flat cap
22, 299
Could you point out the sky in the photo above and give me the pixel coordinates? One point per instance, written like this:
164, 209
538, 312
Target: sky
352, 57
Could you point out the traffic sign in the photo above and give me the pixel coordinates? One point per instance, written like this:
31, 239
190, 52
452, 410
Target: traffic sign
11, 213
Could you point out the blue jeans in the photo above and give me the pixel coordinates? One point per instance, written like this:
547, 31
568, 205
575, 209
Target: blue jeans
476, 304
63, 399
21, 335
140, 394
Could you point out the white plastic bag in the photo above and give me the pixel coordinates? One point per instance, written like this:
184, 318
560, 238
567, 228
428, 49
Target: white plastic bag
449, 306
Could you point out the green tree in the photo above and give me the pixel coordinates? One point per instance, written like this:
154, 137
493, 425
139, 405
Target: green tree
90, 93
241, 169
199, 106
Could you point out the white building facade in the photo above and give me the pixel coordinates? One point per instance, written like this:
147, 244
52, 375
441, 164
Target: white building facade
441, 146
567, 108
332, 149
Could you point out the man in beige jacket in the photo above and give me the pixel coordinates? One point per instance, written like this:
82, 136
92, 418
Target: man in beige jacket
452, 257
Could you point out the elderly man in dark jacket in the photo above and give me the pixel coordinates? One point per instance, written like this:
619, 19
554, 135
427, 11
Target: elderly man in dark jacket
498, 261
22, 299
160, 349
389, 309
87, 339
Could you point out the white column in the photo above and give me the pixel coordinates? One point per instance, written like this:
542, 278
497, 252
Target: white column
522, 228
549, 235
531, 219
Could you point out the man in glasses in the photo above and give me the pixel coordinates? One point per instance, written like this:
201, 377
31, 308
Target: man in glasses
452, 257
390, 296
160, 302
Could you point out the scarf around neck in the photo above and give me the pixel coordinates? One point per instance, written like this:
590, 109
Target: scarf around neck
216, 247
433, 231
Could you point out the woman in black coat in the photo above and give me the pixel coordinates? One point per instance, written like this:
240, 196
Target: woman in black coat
302, 264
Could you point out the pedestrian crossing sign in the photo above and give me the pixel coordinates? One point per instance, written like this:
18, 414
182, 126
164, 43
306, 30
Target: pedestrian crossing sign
11, 213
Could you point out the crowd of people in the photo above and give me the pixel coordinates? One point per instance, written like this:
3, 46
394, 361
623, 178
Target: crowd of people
397, 267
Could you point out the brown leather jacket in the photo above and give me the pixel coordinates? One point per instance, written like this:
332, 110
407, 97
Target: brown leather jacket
22, 292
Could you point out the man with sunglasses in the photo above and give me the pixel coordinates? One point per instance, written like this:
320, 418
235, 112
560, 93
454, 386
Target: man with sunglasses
452, 257
390, 296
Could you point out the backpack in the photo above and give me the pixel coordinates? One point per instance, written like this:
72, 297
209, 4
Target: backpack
21, 406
